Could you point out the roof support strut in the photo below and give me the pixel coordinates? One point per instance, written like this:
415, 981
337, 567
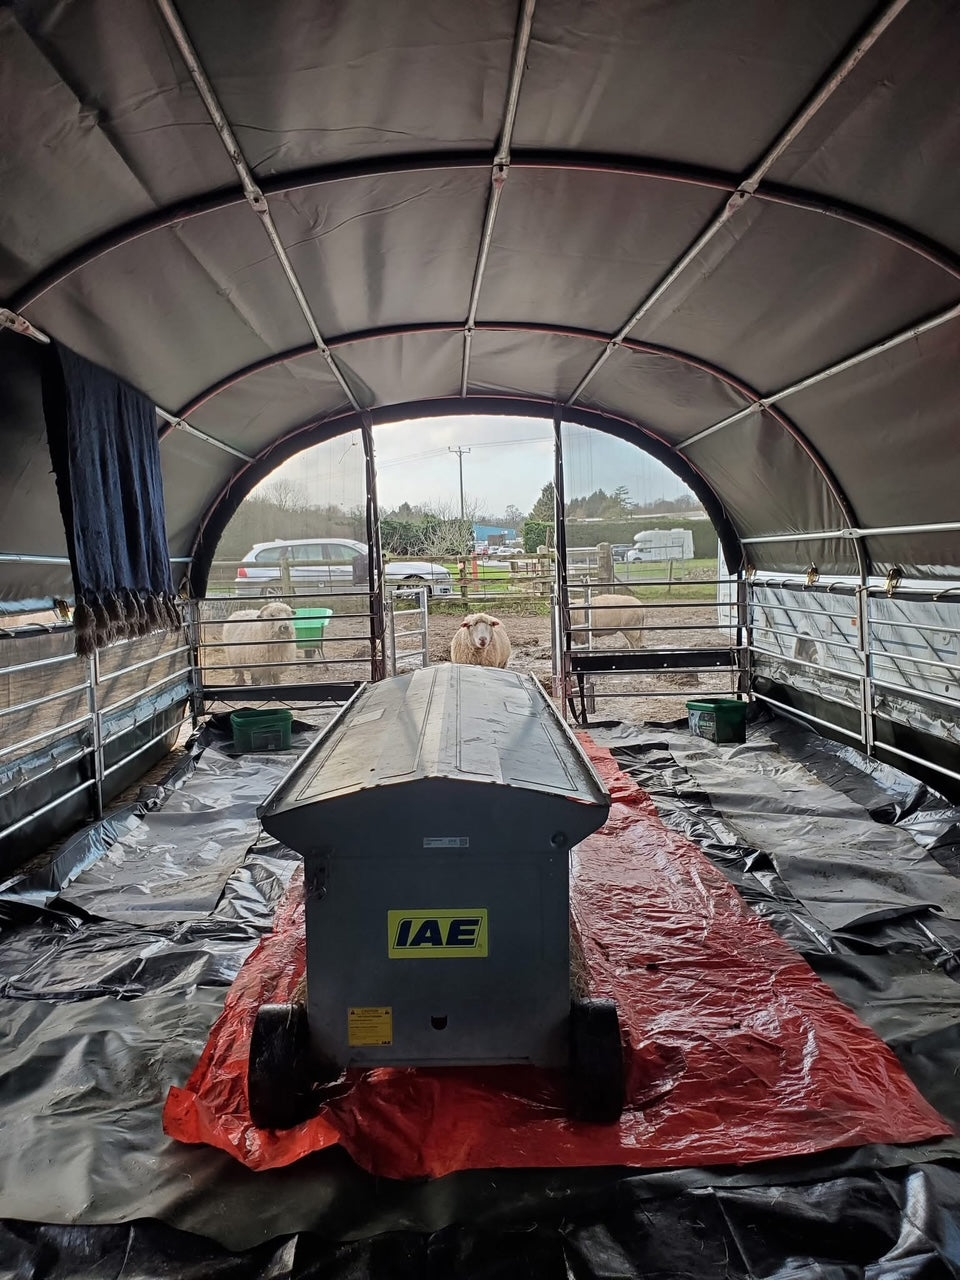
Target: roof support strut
251, 190
180, 425
878, 348
501, 171
883, 531
748, 186
19, 324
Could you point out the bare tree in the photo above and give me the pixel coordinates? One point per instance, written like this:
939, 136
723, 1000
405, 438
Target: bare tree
443, 534
283, 493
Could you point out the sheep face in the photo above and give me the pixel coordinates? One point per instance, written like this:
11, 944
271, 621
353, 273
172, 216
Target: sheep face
479, 628
281, 615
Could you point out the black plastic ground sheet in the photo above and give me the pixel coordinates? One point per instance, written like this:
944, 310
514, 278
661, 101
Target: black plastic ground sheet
115, 962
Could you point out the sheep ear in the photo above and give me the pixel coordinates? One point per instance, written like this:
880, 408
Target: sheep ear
466, 625
495, 623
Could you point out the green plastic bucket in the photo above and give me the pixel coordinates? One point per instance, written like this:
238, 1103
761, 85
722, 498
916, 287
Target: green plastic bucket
309, 626
262, 730
721, 720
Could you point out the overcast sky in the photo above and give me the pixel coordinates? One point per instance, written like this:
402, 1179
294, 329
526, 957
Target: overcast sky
510, 461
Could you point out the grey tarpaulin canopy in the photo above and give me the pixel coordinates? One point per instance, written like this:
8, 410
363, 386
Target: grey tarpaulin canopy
725, 228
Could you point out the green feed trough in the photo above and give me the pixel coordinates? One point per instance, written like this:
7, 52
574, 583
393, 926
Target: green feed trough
309, 626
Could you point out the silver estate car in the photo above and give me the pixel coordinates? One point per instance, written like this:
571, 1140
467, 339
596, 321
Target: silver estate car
344, 561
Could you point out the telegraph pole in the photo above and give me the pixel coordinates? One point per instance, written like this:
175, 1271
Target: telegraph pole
459, 452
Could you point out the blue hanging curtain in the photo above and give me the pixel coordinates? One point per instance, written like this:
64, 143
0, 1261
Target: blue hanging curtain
106, 459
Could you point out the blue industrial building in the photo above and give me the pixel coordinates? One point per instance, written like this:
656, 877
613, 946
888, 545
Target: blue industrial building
484, 532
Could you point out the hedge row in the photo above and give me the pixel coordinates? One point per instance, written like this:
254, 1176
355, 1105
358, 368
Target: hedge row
535, 533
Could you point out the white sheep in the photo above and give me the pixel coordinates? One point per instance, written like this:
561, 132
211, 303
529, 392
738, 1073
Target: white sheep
621, 613
253, 638
480, 641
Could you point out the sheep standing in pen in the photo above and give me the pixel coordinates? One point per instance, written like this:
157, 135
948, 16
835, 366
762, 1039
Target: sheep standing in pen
480, 641
253, 638
620, 614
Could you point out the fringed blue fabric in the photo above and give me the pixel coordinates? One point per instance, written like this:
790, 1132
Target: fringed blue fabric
106, 459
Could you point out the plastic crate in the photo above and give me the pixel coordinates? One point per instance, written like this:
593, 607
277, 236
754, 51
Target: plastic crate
721, 720
262, 730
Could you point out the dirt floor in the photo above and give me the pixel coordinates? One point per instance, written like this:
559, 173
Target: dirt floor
636, 698
664, 695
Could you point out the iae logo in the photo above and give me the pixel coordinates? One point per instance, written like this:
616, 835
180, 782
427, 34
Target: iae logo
446, 935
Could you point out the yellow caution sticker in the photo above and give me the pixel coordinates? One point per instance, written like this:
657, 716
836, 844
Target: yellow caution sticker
368, 1028
441, 935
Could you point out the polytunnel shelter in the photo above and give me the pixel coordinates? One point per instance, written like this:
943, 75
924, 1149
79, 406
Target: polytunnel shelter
723, 232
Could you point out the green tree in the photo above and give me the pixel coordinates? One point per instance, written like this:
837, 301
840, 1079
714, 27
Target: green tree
621, 496
543, 508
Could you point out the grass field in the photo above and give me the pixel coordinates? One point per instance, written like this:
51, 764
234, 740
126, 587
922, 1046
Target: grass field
684, 585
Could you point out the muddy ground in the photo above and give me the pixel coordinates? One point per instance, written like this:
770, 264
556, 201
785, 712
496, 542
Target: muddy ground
637, 698
530, 641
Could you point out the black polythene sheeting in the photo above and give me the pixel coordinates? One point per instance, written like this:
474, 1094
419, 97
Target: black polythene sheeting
848, 870
888, 795
99, 1015
889, 1227
40, 886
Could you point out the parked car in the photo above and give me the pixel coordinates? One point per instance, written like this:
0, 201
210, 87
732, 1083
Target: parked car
344, 562
621, 551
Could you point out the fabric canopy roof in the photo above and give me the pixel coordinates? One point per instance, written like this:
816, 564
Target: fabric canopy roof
731, 225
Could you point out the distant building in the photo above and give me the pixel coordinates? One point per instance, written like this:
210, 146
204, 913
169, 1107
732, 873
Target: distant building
493, 534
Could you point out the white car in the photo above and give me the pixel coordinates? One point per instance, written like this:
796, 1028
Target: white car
344, 561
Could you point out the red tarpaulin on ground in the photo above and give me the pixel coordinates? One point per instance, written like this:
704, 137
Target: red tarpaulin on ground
737, 1051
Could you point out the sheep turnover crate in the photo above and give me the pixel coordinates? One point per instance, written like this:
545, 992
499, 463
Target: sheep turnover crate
447, 941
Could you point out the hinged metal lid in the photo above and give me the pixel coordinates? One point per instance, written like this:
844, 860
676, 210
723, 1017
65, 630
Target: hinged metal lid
490, 737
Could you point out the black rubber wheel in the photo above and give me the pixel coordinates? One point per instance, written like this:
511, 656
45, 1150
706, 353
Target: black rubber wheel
279, 1078
597, 1081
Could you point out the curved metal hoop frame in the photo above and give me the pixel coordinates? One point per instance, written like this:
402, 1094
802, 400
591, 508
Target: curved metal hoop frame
317, 431
480, 162
212, 203
749, 393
